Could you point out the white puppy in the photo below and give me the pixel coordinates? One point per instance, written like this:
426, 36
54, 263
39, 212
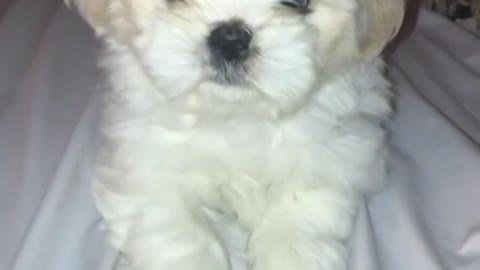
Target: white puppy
267, 113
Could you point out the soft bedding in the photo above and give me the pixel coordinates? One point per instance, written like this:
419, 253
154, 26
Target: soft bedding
428, 218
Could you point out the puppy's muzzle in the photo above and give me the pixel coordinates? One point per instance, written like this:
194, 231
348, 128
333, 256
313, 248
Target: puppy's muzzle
230, 42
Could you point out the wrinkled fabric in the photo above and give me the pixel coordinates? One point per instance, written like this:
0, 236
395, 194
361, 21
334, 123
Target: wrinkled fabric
427, 218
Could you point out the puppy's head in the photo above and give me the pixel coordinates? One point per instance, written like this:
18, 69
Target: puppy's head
271, 52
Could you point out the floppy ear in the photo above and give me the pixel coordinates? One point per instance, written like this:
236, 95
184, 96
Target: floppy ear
380, 21
118, 19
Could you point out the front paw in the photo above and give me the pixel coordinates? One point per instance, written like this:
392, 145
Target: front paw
311, 255
247, 198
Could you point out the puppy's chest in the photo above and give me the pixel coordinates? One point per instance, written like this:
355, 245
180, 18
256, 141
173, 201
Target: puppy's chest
236, 168
251, 150
245, 168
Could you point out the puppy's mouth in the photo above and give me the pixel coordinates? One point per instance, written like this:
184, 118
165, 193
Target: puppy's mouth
229, 73
230, 50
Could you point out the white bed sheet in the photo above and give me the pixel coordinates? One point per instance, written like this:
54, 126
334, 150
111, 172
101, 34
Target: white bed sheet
427, 219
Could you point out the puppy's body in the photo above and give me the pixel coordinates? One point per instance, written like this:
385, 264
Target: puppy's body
285, 142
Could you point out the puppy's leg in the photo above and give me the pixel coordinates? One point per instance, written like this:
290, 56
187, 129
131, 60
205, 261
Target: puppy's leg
304, 230
166, 233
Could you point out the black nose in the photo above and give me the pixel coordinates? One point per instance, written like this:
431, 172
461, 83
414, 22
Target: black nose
230, 41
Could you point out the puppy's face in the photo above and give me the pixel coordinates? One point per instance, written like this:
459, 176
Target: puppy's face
270, 52
239, 50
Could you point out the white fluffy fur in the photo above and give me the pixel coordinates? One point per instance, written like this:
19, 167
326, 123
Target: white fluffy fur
286, 158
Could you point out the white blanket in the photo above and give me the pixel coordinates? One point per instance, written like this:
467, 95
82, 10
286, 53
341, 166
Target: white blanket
427, 219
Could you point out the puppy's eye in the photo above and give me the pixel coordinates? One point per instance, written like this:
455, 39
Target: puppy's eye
300, 5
